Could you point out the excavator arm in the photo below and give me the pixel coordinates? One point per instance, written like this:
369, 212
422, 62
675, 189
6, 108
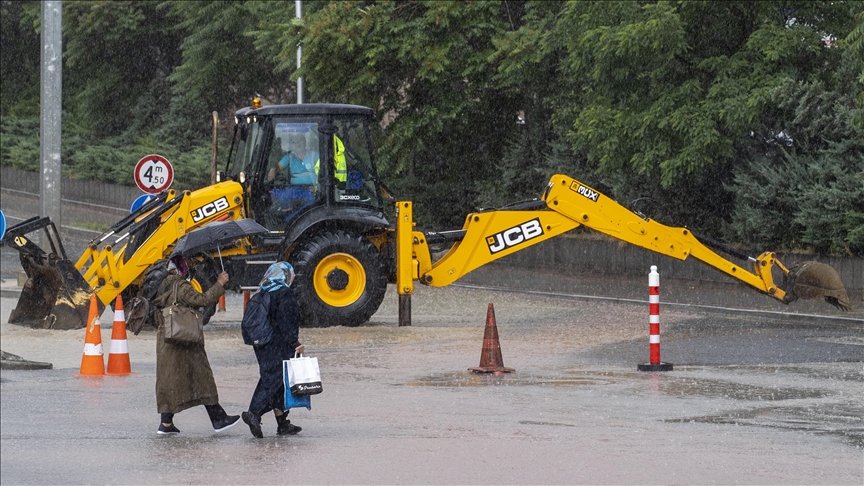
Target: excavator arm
567, 204
57, 292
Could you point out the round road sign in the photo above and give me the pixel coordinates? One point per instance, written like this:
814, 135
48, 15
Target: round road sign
2, 224
154, 174
140, 201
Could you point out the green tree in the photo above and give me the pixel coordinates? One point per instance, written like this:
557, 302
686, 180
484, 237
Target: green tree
118, 57
667, 88
19, 58
804, 184
221, 66
658, 99
424, 67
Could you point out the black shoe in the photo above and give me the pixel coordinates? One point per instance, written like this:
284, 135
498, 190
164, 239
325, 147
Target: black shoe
254, 424
170, 430
225, 422
287, 428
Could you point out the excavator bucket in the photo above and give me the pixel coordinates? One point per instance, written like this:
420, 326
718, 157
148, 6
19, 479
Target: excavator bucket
55, 295
812, 280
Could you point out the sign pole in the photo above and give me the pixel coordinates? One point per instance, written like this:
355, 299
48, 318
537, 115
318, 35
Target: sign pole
215, 140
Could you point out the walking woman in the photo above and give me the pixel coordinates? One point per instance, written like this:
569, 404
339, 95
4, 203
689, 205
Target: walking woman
184, 378
284, 316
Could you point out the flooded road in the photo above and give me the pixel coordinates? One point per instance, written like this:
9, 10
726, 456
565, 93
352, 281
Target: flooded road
753, 399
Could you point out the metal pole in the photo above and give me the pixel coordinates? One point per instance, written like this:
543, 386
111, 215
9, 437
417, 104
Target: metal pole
298, 4
213, 168
50, 110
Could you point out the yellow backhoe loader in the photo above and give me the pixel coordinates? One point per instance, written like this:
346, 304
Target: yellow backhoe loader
307, 173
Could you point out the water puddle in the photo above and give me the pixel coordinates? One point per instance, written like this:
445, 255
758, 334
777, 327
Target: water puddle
843, 421
734, 391
553, 424
468, 378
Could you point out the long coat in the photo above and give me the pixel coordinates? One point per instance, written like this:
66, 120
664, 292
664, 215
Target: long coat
184, 378
284, 316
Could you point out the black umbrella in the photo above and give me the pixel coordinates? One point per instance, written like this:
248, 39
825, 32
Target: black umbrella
215, 235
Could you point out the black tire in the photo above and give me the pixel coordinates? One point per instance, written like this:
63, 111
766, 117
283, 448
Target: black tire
340, 279
205, 272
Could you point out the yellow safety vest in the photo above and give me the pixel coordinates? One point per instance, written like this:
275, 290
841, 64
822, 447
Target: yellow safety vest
341, 168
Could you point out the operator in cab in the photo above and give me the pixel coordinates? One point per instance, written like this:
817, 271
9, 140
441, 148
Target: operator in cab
299, 169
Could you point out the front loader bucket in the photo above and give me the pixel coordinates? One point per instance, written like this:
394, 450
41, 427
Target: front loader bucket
812, 280
55, 296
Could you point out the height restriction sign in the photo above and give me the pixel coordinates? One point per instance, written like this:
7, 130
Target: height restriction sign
154, 174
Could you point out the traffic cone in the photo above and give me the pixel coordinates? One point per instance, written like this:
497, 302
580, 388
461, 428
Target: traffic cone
93, 362
221, 307
490, 358
118, 354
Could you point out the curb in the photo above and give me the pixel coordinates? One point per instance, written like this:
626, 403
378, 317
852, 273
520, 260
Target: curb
14, 292
9, 361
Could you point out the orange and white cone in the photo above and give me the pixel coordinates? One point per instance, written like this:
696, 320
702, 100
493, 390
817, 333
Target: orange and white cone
118, 354
93, 361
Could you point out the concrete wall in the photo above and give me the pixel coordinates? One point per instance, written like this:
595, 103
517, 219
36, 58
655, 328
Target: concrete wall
92, 192
592, 253
601, 254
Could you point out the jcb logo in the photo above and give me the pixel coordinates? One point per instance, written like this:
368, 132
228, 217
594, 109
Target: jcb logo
585, 191
514, 236
209, 209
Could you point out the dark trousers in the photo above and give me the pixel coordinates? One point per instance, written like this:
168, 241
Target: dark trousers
270, 392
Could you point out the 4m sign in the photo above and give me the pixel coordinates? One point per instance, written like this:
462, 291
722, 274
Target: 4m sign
154, 174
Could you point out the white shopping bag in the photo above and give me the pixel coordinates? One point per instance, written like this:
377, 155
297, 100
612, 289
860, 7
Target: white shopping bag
304, 377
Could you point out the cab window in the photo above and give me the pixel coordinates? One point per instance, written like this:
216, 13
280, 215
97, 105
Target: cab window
353, 159
292, 171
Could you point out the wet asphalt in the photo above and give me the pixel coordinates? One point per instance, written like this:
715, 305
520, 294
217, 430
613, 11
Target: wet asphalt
754, 398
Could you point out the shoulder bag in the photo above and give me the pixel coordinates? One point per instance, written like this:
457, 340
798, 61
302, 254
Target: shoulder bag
183, 324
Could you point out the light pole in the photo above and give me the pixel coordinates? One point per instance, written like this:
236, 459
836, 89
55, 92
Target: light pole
298, 4
50, 102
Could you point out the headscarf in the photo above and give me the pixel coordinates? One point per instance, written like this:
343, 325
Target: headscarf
279, 275
178, 264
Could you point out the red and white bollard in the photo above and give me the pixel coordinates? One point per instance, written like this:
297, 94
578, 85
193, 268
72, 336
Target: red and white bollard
654, 363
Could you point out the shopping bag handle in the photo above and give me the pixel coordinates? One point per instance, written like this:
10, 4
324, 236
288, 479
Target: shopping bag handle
295, 354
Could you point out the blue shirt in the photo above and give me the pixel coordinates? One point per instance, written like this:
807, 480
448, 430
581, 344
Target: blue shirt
302, 171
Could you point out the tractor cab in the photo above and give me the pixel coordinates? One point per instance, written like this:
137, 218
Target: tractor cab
293, 160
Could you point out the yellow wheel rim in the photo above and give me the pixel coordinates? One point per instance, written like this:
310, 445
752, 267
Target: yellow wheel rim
332, 271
